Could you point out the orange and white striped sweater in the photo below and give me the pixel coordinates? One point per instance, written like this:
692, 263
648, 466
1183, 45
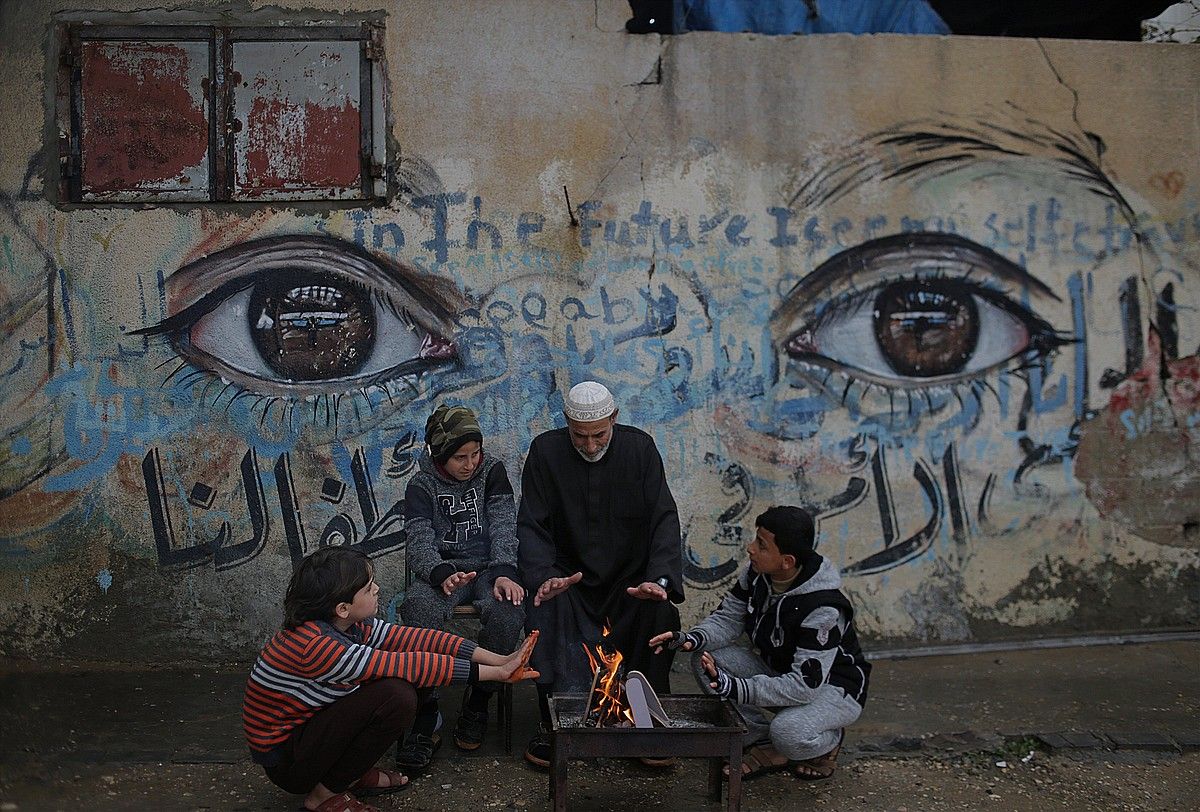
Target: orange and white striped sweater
302, 670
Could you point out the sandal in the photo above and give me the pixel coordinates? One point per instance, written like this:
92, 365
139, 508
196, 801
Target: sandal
821, 767
371, 782
759, 760
417, 751
658, 763
343, 802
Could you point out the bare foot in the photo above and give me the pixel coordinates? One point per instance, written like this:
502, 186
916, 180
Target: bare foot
380, 782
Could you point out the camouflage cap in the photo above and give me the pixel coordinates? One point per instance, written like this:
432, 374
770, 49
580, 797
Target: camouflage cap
448, 428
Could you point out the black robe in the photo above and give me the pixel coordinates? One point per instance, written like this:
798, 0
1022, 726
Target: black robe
615, 521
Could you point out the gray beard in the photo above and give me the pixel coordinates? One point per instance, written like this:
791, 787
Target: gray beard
598, 455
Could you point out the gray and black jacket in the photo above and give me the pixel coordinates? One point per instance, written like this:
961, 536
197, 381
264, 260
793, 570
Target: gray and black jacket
805, 635
457, 526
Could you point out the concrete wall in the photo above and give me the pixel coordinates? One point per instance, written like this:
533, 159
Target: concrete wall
734, 264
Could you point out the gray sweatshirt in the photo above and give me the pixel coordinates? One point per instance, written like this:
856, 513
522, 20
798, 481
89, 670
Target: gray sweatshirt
805, 635
457, 526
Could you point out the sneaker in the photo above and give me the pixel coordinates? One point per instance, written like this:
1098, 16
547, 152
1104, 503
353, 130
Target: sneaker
539, 750
416, 751
468, 733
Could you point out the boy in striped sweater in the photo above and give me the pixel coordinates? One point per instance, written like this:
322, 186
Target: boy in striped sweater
336, 687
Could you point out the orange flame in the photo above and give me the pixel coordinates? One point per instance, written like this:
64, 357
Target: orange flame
611, 706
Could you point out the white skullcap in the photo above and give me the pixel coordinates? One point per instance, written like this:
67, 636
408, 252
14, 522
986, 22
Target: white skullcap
589, 401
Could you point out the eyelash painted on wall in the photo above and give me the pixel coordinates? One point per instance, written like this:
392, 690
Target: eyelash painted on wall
315, 284
952, 325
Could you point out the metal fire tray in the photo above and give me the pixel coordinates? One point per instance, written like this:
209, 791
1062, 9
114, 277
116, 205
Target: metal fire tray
702, 727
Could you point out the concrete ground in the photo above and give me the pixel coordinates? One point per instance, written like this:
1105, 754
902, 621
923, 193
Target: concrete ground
1112, 727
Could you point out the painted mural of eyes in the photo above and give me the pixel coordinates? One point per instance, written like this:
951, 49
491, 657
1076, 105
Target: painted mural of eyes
915, 311
296, 317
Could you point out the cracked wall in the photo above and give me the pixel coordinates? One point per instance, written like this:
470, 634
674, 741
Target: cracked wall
941, 291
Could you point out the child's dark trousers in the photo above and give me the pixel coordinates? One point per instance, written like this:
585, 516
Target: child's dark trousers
341, 742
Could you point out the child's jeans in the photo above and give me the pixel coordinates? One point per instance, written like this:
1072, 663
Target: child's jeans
425, 605
344, 740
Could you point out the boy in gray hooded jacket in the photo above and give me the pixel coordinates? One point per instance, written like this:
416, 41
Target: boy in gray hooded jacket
803, 662
461, 518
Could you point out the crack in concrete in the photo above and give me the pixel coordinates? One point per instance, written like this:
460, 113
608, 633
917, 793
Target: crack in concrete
656, 73
1063, 82
630, 136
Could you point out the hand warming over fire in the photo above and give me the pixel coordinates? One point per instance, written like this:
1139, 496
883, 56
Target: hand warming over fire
456, 580
506, 589
507, 667
554, 587
675, 641
648, 592
723, 682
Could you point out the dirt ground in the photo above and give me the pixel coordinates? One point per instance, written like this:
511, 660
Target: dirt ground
1044, 782
1085, 728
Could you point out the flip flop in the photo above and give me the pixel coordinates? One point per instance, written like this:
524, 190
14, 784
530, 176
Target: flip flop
821, 767
368, 785
342, 802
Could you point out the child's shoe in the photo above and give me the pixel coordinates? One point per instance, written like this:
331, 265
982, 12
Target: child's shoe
416, 751
472, 724
539, 750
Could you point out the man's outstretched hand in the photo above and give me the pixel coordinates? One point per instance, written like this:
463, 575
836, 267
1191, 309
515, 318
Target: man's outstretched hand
553, 587
648, 592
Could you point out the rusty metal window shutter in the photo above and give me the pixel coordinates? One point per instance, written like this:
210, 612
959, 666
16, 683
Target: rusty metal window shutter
206, 114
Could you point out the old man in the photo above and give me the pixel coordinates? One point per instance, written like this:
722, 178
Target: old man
599, 549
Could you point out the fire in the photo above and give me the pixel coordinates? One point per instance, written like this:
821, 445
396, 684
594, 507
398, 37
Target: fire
607, 704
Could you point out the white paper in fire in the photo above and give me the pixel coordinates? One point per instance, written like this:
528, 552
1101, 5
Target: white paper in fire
644, 702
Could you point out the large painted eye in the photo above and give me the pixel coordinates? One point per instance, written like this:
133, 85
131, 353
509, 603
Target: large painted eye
926, 328
312, 327
915, 310
304, 315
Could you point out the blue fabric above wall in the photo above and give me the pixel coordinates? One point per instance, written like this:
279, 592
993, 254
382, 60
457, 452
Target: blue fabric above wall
808, 17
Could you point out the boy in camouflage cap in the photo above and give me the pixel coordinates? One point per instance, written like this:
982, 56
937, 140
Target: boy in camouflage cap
461, 518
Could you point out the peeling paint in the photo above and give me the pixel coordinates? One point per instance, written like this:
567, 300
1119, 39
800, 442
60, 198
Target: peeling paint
144, 118
305, 95
316, 157
1137, 457
1109, 596
936, 607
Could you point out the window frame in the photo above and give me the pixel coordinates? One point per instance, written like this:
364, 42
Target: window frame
222, 126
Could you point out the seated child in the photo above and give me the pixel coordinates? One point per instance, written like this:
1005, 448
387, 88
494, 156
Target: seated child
803, 661
460, 518
335, 687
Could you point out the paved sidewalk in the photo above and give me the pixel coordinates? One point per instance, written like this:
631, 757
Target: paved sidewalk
1145, 693
92, 721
